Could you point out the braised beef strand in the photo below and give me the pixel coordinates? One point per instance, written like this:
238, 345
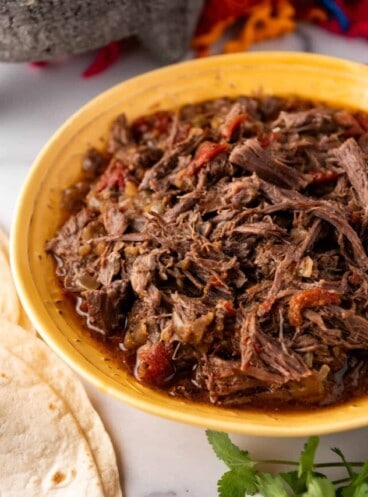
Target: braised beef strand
222, 250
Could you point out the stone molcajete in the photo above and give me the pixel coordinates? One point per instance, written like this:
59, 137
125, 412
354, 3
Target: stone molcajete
45, 29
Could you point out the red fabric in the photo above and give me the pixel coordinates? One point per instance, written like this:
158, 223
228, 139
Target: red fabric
222, 10
39, 63
104, 58
357, 12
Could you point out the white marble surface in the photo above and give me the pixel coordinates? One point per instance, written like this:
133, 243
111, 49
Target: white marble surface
157, 458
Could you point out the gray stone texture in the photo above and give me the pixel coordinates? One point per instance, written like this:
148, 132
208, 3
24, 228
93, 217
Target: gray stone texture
45, 29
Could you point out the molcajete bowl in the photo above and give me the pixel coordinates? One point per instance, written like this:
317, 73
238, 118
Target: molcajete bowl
58, 165
45, 30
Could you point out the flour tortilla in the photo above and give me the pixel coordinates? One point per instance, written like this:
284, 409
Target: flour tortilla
93, 458
42, 449
10, 306
4, 241
9, 303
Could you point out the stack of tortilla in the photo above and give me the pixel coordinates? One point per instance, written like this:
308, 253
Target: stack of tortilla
52, 441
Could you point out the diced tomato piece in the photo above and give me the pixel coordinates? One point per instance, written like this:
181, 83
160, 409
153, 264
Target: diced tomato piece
362, 120
355, 279
355, 217
348, 121
258, 348
154, 363
230, 127
229, 307
215, 282
323, 176
152, 126
267, 139
315, 297
113, 177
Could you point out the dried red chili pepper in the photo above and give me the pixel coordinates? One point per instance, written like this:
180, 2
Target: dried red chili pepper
233, 125
315, 297
206, 152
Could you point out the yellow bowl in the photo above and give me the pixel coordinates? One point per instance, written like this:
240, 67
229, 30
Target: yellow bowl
38, 216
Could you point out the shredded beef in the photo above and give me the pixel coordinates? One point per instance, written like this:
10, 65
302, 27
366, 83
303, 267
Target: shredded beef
351, 158
223, 248
253, 158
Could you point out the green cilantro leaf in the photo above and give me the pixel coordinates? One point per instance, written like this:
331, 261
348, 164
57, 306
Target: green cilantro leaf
358, 483
354, 491
271, 485
347, 491
244, 479
292, 479
306, 461
228, 452
362, 476
361, 490
348, 466
237, 483
320, 487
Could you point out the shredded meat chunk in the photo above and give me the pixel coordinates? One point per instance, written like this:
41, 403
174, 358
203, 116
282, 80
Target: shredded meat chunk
221, 250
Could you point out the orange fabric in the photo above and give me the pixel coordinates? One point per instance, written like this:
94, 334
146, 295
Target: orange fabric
215, 33
262, 21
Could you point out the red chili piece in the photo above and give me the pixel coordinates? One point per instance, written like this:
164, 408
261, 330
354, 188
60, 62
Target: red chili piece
315, 297
233, 125
206, 152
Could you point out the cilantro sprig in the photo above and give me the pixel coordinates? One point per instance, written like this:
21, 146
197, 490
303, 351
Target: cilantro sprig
305, 480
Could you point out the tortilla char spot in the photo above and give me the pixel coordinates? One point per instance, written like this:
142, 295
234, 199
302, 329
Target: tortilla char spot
52, 406
58, 477
3, 375
74, 473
